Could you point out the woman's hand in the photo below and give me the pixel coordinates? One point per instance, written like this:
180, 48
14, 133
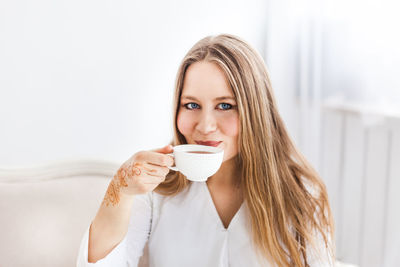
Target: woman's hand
143, 172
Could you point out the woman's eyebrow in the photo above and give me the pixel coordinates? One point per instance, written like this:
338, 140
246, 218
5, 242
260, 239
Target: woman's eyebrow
218, 98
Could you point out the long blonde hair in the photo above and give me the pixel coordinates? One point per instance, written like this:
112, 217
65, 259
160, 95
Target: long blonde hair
285, 215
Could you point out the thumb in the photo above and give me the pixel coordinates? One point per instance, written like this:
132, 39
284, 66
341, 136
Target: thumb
165, 150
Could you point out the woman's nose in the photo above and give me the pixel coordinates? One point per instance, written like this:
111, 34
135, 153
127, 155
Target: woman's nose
207, 123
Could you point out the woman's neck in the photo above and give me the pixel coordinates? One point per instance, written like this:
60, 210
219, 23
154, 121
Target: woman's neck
227, 175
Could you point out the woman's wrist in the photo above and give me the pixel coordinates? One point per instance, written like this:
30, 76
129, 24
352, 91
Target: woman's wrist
115, 193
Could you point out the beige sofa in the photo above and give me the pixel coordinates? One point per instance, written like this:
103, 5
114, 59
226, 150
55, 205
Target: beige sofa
45, 210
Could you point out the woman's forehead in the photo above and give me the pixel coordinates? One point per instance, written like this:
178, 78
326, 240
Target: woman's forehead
205, 78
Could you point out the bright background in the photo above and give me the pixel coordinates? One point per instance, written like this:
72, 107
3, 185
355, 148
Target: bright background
94, 79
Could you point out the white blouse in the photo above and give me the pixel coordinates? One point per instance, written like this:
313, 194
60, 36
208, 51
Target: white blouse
186, 230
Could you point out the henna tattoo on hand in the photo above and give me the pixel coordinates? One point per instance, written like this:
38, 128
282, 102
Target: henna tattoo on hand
113, 194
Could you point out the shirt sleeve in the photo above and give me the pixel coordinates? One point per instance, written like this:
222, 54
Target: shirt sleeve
130, 249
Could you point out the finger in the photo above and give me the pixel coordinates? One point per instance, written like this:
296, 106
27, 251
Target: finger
156, 158
136, 168
150, 179
165, 150
155, 170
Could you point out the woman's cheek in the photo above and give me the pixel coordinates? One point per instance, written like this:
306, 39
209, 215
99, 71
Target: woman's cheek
230, 124
184, 122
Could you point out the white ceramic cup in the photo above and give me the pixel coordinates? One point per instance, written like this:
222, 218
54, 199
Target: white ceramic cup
197, 167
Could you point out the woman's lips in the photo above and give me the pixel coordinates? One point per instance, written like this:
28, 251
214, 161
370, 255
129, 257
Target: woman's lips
208, 143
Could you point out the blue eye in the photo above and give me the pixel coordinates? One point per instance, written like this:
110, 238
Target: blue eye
222, 106
191, 105
225, 106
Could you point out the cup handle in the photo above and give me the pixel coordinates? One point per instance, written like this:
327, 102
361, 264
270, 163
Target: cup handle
174, 168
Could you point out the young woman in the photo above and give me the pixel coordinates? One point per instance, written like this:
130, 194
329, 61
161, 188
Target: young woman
265, 206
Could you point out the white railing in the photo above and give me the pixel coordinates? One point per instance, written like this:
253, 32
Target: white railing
360, 164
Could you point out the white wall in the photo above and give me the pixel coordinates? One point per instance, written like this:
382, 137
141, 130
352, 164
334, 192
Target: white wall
94, 79
361, 52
